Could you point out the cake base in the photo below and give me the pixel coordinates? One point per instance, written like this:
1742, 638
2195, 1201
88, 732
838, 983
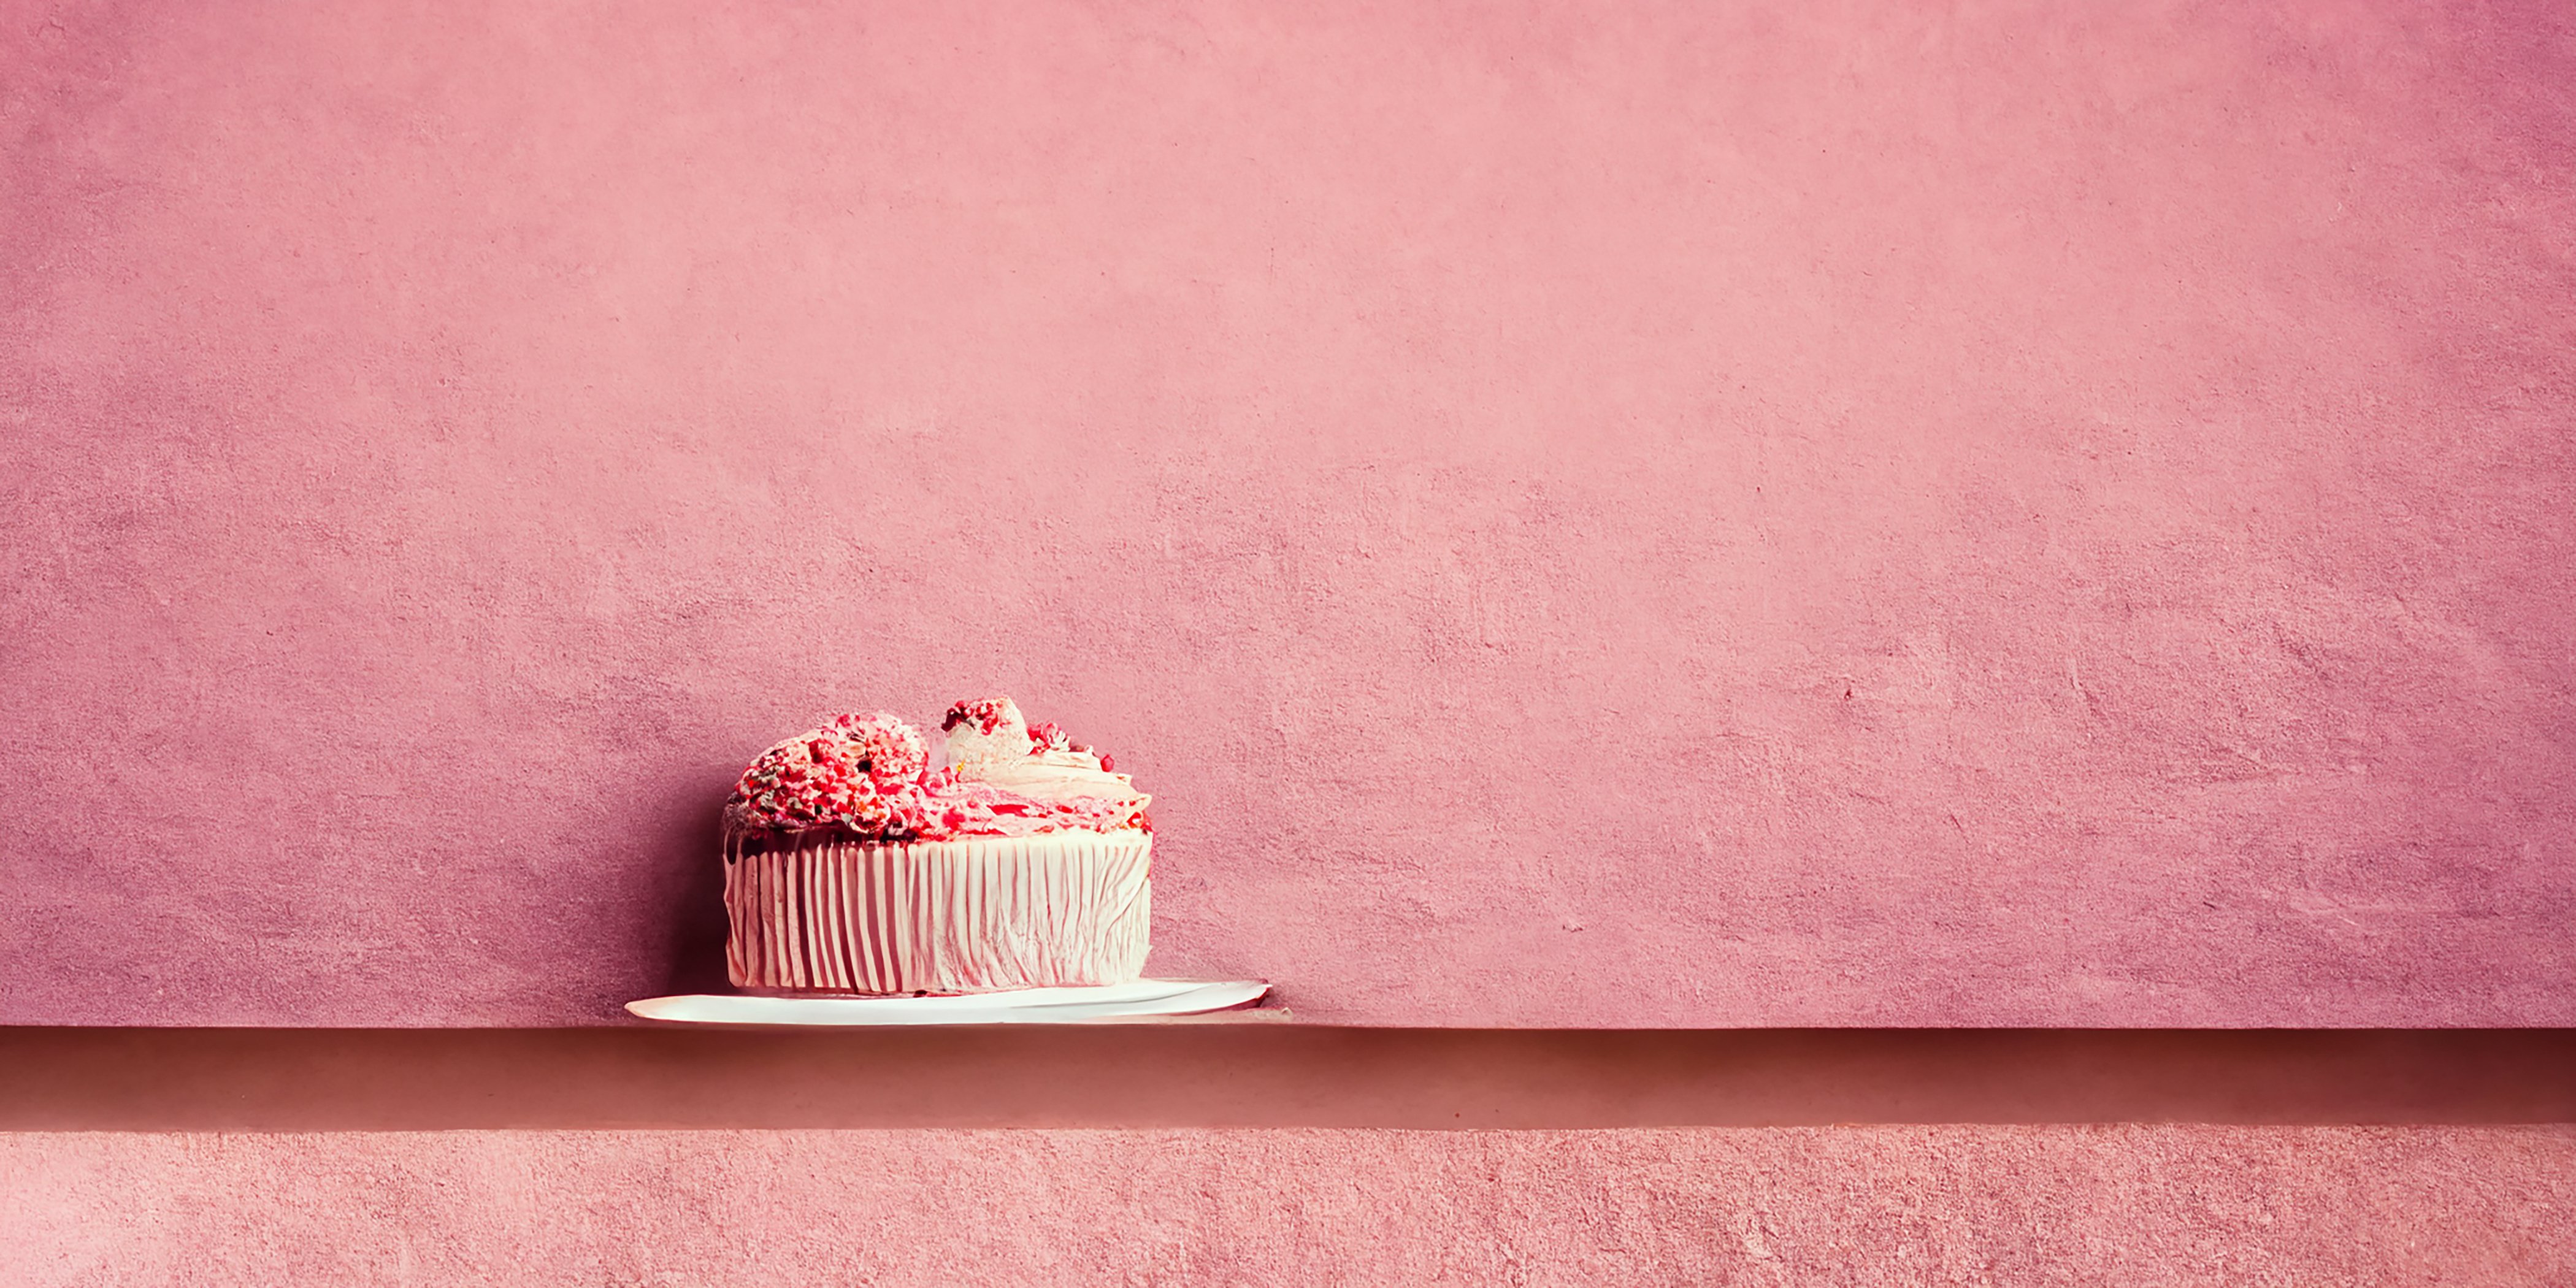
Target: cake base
822, 912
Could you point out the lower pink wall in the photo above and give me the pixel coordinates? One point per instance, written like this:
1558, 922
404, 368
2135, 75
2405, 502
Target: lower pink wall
1678, 515
2134, 1206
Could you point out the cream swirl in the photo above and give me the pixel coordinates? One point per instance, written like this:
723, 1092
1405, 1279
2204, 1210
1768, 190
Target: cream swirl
985, 730
990, 742
1056, 776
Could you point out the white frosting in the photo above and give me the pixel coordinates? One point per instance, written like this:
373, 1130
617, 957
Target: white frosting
1053, 776
969, 747
1003, 759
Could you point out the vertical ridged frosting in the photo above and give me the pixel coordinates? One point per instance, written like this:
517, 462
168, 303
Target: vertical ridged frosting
826, 911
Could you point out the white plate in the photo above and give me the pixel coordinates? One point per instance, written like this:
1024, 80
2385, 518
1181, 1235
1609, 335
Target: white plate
1019, 1006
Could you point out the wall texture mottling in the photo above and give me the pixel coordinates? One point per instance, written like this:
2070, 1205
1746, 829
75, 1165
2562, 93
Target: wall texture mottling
1675, 515
2139, 1206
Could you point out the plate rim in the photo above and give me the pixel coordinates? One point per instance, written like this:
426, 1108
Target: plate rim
952, 1008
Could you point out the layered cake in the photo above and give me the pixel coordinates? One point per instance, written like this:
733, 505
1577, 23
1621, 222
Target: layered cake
853, 864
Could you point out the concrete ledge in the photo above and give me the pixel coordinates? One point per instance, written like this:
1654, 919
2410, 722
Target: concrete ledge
104, 1079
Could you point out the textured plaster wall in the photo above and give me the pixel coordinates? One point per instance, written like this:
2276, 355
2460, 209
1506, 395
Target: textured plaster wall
1691, 514
2138, 1206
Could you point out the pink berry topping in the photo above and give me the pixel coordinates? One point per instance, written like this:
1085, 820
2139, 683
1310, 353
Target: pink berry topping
846, 771
985, 714
886, 747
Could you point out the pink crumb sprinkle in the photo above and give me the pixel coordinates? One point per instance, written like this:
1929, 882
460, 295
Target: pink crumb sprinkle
983, 713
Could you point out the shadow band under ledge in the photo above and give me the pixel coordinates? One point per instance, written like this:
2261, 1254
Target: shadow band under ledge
242, 1079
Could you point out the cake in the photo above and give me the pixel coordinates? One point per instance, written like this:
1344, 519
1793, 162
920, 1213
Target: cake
854, 865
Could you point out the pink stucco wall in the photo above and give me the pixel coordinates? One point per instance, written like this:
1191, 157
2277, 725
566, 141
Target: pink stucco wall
1654, 515
2141, 1206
